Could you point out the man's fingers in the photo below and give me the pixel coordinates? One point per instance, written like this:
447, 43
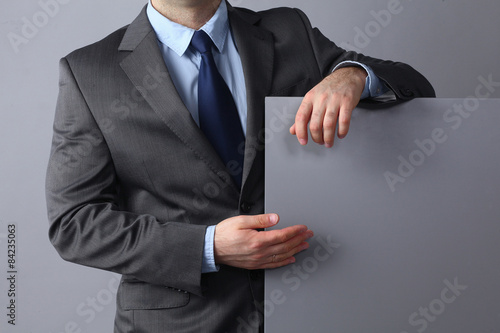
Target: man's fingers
329, 125
273, 237
259, 221
282, 259
294, 243
344, 121
350, 101
278, 263
328, 106
284, 251
302, 120
316, 122
238, 243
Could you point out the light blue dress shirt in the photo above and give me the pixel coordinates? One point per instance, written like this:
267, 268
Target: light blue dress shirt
183, 64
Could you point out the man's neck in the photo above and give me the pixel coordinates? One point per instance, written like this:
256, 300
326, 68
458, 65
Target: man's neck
190, 13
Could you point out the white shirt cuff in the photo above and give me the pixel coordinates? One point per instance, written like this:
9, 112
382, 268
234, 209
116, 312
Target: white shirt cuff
208, 263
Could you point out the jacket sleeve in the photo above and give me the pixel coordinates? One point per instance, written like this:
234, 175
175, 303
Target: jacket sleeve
86, 225
402, 79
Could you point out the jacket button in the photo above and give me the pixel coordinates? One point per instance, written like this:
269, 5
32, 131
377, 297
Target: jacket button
406, 92
245, 207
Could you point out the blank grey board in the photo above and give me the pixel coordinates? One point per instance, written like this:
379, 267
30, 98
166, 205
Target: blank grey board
406, 213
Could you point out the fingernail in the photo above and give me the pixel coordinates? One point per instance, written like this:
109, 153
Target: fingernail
303, 142
273, 219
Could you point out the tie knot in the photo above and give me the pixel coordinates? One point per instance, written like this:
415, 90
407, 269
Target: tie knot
202, 42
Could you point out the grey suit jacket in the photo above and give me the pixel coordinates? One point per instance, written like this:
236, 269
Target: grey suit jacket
132, 182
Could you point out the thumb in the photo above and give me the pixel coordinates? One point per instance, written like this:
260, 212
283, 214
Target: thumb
261, 221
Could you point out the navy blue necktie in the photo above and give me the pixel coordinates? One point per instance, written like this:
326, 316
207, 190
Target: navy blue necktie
219, 118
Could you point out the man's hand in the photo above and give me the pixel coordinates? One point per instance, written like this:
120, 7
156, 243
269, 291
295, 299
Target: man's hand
237, 242
328, 103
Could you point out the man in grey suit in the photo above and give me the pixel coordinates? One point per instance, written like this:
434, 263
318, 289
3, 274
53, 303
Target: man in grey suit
135, 187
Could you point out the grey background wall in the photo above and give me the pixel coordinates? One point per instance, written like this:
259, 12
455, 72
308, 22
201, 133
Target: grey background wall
453, 43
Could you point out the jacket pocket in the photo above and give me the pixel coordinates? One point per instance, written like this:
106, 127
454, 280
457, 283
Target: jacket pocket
138, 295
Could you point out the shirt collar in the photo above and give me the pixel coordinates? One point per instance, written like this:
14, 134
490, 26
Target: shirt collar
178, 37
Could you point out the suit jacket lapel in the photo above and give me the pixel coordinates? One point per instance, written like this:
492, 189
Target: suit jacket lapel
146, 69
255, 46
256, 49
